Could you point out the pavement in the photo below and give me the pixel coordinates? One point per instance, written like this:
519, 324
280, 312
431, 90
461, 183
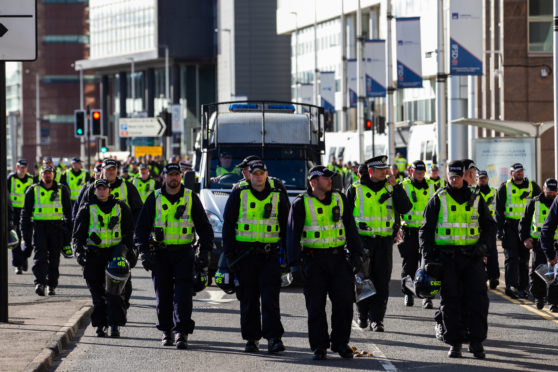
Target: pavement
39, 328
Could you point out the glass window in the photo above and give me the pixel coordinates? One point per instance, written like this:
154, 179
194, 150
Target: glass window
78, 39
540, 26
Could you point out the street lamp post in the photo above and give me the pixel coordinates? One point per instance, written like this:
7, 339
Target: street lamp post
167, 95
81, 105
231, 61
296, 56
37, 116
132, 80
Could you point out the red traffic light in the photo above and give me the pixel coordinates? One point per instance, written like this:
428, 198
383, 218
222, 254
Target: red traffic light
96, 115
368, 124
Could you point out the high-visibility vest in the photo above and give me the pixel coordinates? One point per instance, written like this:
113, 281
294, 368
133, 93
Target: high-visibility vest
517, 199
244, 183
458, 224
252, 225
18, 189
439, 183
320, 230
121, 193
99, 224
144, 187
373, 211
401, 164
133, 174
490, 199
48, 204
75, 183
219, 171
419, 198
537, 222
176, 230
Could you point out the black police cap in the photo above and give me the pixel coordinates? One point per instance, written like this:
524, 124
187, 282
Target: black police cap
551, 184
418, 166
22, 162
245, 162
516, 167
172, 167
482, 173
319, 170
455, 168
379, 162
257, 165
101, 182
107, 163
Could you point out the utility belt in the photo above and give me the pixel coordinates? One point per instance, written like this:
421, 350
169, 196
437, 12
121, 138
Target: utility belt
409, 229
323, 252
91, 249
369, 239
158, 247
265, 249
467, 251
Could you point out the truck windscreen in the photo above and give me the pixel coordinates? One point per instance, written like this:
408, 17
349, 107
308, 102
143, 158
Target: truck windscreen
288, 163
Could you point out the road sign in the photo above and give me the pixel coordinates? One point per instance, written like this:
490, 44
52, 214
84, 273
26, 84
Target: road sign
176, 111
18, 30
148, 150
142, 127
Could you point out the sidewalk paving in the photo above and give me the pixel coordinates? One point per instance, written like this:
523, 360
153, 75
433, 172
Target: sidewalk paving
39, 327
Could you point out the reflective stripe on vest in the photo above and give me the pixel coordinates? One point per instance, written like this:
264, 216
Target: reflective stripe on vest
176, 230
144, 187
413, 218
492, 205
252, 226
515, 206
320, 231
44, 209
18, 189
98, 224
121, 193
75, 183
372, 217
537, 222
458, 224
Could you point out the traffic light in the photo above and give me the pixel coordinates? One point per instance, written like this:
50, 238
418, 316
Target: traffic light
381, 124
103, 145
367, 124
79, 123
96, 122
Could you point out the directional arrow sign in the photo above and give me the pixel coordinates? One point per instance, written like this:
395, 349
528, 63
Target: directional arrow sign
141, 127
18, 30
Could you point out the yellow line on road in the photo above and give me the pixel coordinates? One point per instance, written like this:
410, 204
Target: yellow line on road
527, 305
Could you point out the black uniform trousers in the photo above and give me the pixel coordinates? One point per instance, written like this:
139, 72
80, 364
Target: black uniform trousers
19, 258
538, 287
259, 277
173, 279
107, 309
380, 251
464, 298
492, 265
328, 275
410, 253
48, 239
516, 257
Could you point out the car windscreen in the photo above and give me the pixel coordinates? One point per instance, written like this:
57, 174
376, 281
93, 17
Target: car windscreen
287, 163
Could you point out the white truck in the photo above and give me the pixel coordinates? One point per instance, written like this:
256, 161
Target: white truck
288, 136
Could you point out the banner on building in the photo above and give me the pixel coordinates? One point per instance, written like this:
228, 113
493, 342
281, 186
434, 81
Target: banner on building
409, 54
327, 90
375, 67
307, 93
466, 37
352, 82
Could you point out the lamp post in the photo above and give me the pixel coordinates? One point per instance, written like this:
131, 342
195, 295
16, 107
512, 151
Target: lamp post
231, 61
167, 95
296, 56
132, 73
81, 105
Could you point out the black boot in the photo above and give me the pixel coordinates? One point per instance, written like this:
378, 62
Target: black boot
344, 351
275, 345
114, 331
455, 351
252, 346
181, 341
477, 349
319, 354
101, 331
427, 303
167, 339
409, 300
40, 289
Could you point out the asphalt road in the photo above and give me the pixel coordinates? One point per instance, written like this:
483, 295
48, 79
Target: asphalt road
519, 338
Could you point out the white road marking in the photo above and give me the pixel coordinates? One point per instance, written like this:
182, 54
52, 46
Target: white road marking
216, 298
376, 352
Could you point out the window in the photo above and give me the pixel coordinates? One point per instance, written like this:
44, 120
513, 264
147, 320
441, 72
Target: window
540, 26
79, 39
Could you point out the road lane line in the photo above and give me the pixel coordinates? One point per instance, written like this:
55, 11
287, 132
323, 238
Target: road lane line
376, 352
527, 305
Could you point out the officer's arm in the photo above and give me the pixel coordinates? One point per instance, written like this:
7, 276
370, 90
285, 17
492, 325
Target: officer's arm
428, 228
230, 218
81, 229
127, 225
486, 223
536, 189
63, 179
283, 216
351, 195
525, 222
295, 225
202, 225
79, 198
144, 224
10, 182
501, 207
26, 225
548, 230
353, 240
11, 221
67, 206
134, 199
401, 199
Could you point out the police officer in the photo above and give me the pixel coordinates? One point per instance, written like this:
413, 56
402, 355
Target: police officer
255, 221
489, 193
434, 176
511, 201
225, 165
530, 227
320, 225
144, 183
103, 230
47, 160
97, 174
455, 232
244, 167
401, 163
46, 221
18, 183
174, 214
133, 170
418, 190
74, 179
399, 177
378, 201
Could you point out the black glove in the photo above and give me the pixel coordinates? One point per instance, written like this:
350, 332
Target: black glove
480, 250
202, 259
356, 263
81, 258
132, 257
147, 261
434, 269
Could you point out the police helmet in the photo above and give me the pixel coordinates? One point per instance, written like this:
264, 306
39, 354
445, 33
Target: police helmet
13, 239
425, 285
223, 278
201, 280
117, 274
